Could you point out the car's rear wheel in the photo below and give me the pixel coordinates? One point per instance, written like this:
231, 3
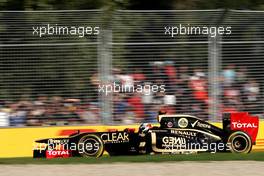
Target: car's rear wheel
240, 142
91, 146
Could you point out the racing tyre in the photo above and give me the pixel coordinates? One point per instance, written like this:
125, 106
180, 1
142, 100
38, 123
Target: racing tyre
91, 146
240, 142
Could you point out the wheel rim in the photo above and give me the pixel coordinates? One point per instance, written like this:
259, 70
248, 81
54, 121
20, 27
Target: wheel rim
90, 146
240, 144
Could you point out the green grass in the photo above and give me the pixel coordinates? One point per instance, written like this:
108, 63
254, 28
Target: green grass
205, 157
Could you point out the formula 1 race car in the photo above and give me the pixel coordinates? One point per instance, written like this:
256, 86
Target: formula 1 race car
175, 134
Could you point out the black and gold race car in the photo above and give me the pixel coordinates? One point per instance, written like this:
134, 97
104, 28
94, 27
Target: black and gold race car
174, 134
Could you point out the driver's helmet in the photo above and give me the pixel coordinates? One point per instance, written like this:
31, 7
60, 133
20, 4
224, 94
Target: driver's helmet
144, 127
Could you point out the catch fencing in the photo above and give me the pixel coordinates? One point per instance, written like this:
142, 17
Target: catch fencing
72, 67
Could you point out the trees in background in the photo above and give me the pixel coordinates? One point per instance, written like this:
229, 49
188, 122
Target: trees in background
129, 4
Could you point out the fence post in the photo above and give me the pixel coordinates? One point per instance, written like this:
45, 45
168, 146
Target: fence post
104, 70
214, 69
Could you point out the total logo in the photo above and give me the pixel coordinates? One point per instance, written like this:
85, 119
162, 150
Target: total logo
244, 125
58, 153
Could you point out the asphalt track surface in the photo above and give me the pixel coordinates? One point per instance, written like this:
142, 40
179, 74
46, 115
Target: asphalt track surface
215, 168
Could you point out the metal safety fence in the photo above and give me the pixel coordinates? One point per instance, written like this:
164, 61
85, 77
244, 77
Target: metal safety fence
68, 67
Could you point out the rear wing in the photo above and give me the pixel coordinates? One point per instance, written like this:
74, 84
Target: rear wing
242, 121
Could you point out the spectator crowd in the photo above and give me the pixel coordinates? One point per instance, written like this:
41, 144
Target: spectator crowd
186, 92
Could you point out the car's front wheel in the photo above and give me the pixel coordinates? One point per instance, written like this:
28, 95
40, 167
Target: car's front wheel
90, 145
240, 142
